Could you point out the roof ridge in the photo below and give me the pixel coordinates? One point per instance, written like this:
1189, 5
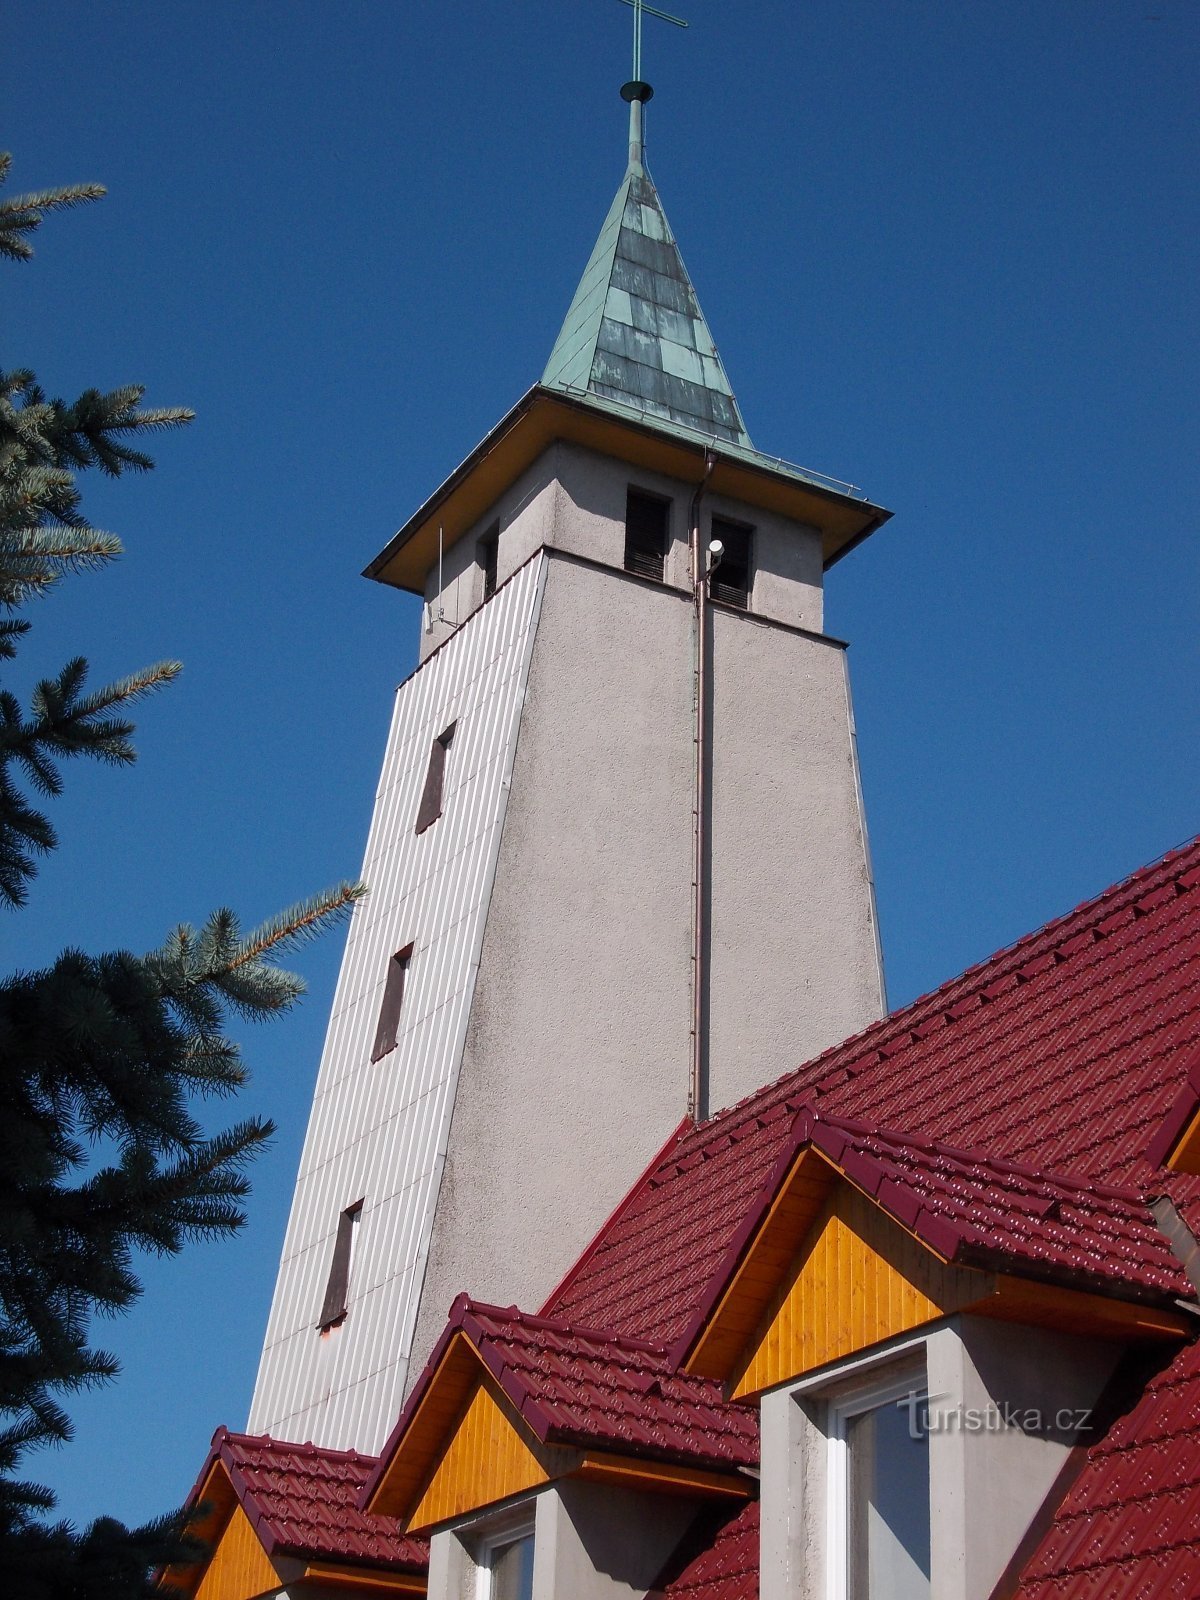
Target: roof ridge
559, 1325
980, 1157
307, 1447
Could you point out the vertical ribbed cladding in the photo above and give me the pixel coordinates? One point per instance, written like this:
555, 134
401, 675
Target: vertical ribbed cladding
378, 1130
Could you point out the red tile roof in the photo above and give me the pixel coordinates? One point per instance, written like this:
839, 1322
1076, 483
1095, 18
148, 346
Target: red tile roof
1129, 1528
1183, 1110
978, 1211
303, 1501
1033, 1092
1063, 1053
1038, 1093
592, 1390
717, 1561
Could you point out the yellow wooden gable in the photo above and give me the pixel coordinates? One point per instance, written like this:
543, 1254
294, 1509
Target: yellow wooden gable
486, 1459
239, 1568
858, 1279
466, 1446
1185, 1156
828, 1273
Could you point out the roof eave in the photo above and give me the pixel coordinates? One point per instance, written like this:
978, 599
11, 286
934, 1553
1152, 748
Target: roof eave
543, 416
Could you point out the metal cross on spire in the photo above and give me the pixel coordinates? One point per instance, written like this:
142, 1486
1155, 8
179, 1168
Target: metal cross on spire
637, 91
639, 8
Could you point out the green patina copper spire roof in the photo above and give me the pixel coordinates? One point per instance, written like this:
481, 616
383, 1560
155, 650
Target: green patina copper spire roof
635, 334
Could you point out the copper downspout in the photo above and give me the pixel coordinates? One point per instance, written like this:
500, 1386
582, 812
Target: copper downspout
697, 1109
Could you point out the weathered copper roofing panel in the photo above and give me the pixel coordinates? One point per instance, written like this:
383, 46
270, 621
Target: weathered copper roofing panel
635, 334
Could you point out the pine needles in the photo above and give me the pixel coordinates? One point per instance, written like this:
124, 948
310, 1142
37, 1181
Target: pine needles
102, 1057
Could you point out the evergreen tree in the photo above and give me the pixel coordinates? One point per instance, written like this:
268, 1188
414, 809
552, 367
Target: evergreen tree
101, 1056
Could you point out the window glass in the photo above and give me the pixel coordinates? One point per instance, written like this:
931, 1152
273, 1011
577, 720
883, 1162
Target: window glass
512, 1570
888, 1520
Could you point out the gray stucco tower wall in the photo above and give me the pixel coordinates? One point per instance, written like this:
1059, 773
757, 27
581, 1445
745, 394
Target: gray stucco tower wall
576, 1063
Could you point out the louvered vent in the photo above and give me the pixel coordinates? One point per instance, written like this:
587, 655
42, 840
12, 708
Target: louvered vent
430, 808
730, 583
337, 1290
489, 550
646, 528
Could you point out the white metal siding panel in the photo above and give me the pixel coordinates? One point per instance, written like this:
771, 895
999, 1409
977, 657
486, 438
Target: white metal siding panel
378, 1130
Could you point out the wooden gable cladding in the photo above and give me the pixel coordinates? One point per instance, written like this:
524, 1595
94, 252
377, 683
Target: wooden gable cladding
1046, 1305
489, 1457
239, 1568
737, 1315
857, 1280
1185, 1156
827, 1273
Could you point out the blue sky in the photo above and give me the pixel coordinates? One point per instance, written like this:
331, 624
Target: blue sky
949, 253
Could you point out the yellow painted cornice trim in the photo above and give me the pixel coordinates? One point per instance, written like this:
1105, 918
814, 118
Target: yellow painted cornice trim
364, 1578
1048, 1305
638, 1473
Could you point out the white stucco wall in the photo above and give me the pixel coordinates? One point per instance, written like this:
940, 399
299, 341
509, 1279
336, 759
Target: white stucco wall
794, 953
591, 1542
988, 1475
576, 1060
545, 1046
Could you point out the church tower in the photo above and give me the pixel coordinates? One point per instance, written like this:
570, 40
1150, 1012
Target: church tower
618, 867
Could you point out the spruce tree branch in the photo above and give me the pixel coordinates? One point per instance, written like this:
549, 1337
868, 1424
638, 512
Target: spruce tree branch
298, 924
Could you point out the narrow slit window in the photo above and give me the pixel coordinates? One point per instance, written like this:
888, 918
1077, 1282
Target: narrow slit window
393, 1001
730, 582
337, 1290
489, 550
647, 525
430, 808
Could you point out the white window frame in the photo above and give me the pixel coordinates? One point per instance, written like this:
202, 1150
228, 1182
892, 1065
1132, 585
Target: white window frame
488, 1545
843, 1406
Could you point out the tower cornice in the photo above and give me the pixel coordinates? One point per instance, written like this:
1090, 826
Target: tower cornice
543, 417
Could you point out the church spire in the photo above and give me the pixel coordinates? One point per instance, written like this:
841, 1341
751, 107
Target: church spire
634, 334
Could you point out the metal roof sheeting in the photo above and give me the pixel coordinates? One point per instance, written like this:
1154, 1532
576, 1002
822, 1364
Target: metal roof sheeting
717, 1561
975, 1210
1130, 1524
574, 1386
635, 334
378, 1130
